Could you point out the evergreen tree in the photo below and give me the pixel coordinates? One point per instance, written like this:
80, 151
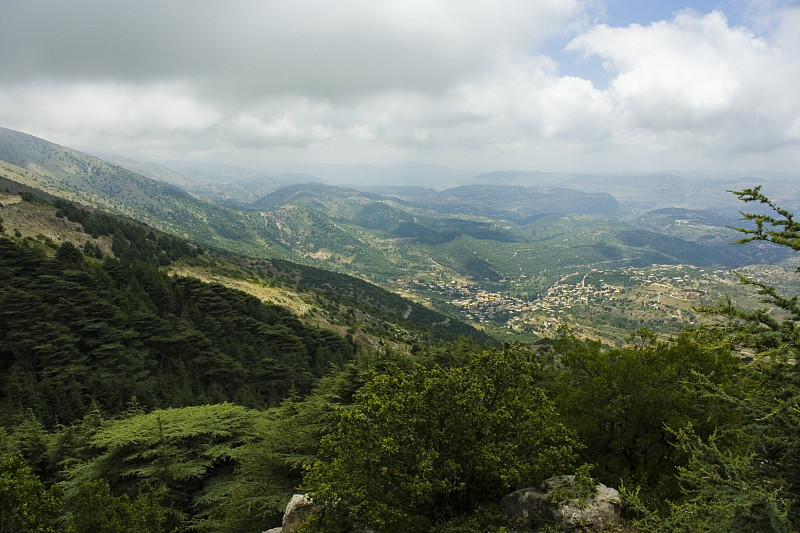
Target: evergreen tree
77, 331
69, 253
746, 475
186, 455
621, 401
95, 510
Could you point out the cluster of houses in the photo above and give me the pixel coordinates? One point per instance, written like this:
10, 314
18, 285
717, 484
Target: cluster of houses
662, 292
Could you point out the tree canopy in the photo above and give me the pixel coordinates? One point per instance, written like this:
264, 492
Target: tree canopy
80, 333
421, 446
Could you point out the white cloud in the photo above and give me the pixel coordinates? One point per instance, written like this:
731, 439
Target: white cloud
246, 50
453, 82
697, 80
107, 116
523, 103
110, 117
293, 121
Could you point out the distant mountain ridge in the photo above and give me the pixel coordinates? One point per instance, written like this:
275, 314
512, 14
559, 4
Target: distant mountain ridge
225, 185
521, 203
308, 192
80, 177
640, 192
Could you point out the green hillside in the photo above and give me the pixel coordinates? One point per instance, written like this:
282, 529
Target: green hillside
443, 249
81, 333
498, 273
336, 296
106, 358
80, 177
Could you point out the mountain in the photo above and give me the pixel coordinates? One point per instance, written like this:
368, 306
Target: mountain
386, 314
443, 249
80, 177
226, 185
308, 193
520, 203
638, 193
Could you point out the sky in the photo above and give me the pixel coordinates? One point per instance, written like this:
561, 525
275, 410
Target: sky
551, 85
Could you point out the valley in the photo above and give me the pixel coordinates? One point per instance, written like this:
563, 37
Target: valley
509, 253
605, 304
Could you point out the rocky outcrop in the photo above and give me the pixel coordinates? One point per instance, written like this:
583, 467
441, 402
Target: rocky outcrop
595, 512
298, 510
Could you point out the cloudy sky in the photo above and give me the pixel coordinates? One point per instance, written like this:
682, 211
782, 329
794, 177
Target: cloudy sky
562, 85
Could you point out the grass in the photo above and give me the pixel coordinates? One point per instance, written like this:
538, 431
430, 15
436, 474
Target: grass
266, 293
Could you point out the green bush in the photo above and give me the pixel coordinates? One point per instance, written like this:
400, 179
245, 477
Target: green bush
426, 446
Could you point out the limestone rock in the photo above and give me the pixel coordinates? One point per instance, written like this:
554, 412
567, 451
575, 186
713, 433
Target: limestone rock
593, 513
527, 504
299, 508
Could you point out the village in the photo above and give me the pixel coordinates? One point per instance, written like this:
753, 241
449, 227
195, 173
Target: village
666, 295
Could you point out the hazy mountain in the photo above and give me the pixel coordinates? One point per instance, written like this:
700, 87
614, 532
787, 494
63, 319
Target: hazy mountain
309, 193
87, 179
637, 193
225, 185
519, 203
412, 173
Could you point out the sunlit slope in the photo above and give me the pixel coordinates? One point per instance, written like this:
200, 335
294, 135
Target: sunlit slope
80, 177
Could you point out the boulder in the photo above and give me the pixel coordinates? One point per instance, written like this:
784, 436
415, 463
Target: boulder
596, 512
299, 508
527, 504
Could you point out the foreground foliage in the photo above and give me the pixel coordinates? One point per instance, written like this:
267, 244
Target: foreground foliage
25, 504
621, 402
746, 475
421, 446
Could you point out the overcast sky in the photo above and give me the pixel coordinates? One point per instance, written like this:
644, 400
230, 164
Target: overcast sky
561, 85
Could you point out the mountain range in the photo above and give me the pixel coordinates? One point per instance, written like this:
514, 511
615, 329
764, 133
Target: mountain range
503, 232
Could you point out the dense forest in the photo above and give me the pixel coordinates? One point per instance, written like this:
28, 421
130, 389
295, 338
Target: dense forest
133, 400
82, 333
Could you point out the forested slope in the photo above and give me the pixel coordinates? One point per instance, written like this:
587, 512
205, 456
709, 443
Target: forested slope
96, 324
80, 177
143, 393
80, 333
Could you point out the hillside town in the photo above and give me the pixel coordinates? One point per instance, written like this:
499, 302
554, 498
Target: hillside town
623, 298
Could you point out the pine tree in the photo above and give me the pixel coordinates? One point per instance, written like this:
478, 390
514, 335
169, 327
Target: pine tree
746, 476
